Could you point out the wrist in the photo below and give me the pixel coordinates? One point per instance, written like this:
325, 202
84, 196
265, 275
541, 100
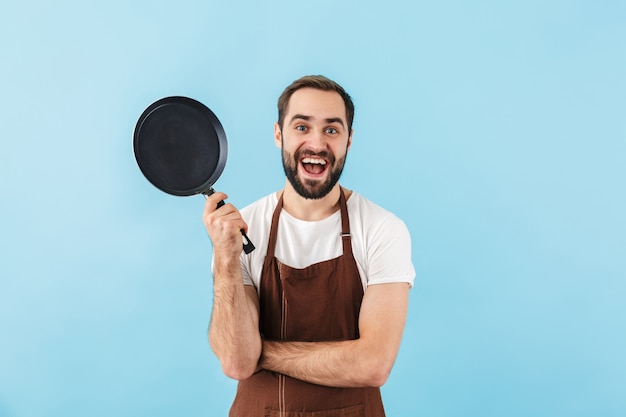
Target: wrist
225, 260
226, 270
264, 359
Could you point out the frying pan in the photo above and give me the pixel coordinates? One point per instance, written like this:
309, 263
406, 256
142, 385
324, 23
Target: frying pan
180, 147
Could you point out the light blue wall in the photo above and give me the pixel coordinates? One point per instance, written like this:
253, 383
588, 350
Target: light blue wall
495, 129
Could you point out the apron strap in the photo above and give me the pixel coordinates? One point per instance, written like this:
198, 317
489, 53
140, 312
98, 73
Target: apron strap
346, 239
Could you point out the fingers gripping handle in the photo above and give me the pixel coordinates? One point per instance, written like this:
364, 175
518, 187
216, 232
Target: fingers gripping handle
247, 244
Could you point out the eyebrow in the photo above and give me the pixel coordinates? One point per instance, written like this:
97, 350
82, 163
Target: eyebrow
307, 118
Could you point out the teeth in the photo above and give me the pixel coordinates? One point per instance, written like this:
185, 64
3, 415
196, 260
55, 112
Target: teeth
313, 161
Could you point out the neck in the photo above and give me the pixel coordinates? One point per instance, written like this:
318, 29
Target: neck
307, 209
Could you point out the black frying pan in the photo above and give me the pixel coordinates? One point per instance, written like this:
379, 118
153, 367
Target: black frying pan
181, 148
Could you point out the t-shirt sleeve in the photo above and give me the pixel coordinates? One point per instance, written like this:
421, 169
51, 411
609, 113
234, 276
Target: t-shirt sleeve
389, 253
245, 269
246, 260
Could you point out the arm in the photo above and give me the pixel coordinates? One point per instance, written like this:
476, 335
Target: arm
366, 361
234, 330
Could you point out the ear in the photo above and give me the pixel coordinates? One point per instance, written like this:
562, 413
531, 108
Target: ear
350, 138
278, 136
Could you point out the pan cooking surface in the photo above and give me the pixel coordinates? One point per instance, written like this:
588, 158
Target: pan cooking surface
179, 147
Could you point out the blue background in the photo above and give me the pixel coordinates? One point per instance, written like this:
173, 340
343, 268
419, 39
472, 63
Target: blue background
496, 130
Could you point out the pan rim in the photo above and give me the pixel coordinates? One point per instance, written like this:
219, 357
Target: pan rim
212, 123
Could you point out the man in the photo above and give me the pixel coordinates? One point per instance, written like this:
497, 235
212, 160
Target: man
310, 322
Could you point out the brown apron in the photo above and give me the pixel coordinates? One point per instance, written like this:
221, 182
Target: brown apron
318, 303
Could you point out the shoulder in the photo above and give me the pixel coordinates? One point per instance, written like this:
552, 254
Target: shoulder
372, 216
381, 243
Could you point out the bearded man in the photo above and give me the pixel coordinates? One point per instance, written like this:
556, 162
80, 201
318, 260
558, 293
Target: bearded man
310, 322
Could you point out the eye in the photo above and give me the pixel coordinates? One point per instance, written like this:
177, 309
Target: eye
301, 128
331, 130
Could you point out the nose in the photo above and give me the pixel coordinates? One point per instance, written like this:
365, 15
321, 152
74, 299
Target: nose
317, 141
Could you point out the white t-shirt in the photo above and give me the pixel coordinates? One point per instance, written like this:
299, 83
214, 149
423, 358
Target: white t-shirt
380, 241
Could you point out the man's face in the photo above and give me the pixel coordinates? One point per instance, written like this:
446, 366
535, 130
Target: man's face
314, 141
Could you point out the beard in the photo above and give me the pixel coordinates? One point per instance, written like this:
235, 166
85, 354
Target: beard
311, 189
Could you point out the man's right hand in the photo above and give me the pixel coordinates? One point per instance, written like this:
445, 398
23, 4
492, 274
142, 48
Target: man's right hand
223, 225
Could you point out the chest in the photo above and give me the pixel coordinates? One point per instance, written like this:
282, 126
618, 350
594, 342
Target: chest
301, 243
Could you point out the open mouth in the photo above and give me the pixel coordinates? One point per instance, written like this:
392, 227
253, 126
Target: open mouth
313, 165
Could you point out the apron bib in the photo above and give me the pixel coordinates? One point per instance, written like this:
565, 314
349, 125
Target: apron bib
318, 303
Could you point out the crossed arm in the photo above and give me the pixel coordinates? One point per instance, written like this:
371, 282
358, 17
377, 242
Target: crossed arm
366, 361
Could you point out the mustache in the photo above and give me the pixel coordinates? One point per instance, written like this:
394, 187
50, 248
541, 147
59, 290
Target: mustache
309, 153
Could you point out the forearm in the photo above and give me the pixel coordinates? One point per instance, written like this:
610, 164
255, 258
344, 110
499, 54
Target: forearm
366, 361
337, 364
233, 332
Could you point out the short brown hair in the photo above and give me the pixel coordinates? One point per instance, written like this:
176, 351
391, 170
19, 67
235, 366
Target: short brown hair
318, 82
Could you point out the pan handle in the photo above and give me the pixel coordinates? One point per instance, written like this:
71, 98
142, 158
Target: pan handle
247, 244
